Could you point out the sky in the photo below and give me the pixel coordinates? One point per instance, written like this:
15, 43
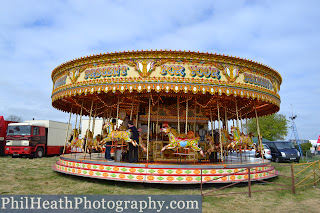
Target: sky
37, 36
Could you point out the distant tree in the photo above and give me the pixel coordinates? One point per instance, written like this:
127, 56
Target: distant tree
272, 127
305, 147
14, 118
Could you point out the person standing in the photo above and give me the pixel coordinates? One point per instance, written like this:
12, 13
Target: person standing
133, 150
109, 143
312, 150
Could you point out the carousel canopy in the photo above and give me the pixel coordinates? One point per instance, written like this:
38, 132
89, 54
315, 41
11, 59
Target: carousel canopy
205, 81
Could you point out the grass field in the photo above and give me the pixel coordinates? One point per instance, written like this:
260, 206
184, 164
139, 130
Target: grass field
35, 176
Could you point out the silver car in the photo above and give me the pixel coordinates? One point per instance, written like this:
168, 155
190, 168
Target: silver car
266, 152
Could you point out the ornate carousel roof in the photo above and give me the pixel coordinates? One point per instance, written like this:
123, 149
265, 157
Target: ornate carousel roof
131, 78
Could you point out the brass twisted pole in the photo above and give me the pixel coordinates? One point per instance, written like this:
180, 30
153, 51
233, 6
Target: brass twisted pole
64, 148
148, 133
258, 130
187, 109
137, 116
157, 120
237, 114
225, 116
80, 118
85, 149
131, 109
221, 153
178, 111
195, 117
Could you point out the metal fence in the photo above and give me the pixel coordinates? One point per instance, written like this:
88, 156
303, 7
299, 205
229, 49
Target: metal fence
311, 156
290, 177
307, 174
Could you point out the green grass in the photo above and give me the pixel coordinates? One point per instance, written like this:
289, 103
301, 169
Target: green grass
35, 176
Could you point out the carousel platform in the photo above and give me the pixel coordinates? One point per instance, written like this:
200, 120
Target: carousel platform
233, 169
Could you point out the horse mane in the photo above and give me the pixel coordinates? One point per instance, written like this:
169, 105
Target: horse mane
75, 133
98, 137
104, 131
89, 134
173, 131
251, 134
191, 134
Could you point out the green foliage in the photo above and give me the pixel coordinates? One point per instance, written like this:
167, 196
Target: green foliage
305, 147
272, 127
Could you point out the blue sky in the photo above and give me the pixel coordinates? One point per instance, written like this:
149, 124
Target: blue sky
37, 36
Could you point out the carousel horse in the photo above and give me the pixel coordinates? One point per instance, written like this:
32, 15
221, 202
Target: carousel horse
241, 140
181, 142
212, 146
226, 140
142, 145
247, 139
116, 135
258, 149
89, 140
76, 142
190, 134
96, 144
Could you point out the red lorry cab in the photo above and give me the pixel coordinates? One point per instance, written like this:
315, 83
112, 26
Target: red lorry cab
36, 138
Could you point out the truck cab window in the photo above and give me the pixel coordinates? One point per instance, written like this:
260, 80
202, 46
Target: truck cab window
35, 130
19, 130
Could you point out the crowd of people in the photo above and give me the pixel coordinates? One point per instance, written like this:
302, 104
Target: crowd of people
315, 150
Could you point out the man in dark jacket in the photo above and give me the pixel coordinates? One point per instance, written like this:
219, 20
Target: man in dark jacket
133, 150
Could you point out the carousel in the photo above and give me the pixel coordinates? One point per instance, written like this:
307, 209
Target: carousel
191, 110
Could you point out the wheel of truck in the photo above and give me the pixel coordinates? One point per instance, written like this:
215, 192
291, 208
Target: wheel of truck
39, 152
277, 160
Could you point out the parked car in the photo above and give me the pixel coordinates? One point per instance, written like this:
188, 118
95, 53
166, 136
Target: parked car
283, 151
266, 152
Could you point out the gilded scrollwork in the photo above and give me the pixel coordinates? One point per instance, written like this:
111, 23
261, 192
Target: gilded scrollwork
276, 87
231, 72
144, 66
75, 73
